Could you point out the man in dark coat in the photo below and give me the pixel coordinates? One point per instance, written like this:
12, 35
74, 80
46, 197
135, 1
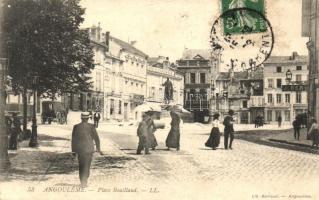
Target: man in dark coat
297, 126
15, 132
83, 135
96, 119
229, 129
279, 121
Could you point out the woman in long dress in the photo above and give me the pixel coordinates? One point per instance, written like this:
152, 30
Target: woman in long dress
172, 140
314, 133
214, 138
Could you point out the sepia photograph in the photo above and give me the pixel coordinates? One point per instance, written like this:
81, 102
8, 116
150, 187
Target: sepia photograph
159, 99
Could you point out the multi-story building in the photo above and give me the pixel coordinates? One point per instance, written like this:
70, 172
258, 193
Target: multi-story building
133, 74
158, 70
284, 97
196, 64
241, 92
119, 78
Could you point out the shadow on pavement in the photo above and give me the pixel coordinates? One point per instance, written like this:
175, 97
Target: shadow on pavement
43, 137
108, 162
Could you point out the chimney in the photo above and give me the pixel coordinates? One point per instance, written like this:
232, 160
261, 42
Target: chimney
107, 40
294, 55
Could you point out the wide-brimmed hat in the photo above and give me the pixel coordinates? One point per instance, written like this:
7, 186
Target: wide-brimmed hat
85, 115
216, 115
231, 112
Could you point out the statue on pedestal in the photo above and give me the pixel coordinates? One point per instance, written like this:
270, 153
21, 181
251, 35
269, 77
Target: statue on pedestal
168, 92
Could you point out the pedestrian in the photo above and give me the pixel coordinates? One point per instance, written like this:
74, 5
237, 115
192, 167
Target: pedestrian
15, 132
257, 122
229, 129
214, 138
314, 133
83, 135
151, 131
279, 121
173, 138
143, 135
297, 126
96, 119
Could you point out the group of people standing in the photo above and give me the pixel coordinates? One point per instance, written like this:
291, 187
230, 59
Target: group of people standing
214, 138
13, 127
147, 139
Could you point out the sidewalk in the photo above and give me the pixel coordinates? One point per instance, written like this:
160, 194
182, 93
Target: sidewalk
288, 138
52, 163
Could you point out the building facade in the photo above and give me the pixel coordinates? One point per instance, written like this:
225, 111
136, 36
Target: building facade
310, 28
196, 64
158, 70
118, 79
241, 92
283, 97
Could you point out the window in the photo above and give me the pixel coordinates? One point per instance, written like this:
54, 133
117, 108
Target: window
278, 69
270, 83
192, 77
298, 68
269, 98
244, 104
298, 97
278, 97
132, 83
112, 107
287, 98
279, 83
202, 78
126, 82
269, 115
298, 77
120, 107
287, 115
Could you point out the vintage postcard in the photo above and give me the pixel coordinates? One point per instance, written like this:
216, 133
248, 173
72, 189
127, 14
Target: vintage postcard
159, 99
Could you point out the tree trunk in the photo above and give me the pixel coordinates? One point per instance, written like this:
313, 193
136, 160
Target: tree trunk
4, 158
25, 109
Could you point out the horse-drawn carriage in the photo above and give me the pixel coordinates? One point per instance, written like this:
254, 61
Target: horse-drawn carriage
53, 111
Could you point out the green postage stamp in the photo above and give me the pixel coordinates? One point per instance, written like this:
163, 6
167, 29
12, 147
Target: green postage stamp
243, 16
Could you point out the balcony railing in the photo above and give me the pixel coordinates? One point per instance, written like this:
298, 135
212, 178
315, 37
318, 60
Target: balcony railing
256, 101
196, 105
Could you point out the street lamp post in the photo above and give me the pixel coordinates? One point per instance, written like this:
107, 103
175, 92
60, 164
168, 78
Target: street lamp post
34, 134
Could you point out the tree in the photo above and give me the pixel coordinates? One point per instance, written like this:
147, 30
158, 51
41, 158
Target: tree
44, 39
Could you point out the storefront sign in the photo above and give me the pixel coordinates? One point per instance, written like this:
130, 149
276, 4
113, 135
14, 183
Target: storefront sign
293, 88
138, 98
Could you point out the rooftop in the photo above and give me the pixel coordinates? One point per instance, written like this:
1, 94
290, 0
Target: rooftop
294, 58
193, 54
128, 47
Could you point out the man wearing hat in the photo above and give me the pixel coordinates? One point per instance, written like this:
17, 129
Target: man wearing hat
83, 135
229, 129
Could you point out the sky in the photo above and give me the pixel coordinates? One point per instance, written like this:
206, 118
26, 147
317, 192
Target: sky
167, 27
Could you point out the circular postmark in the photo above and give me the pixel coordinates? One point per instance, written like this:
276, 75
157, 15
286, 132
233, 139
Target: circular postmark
243, 37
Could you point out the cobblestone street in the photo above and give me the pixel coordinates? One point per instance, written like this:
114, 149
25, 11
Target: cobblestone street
249, 169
